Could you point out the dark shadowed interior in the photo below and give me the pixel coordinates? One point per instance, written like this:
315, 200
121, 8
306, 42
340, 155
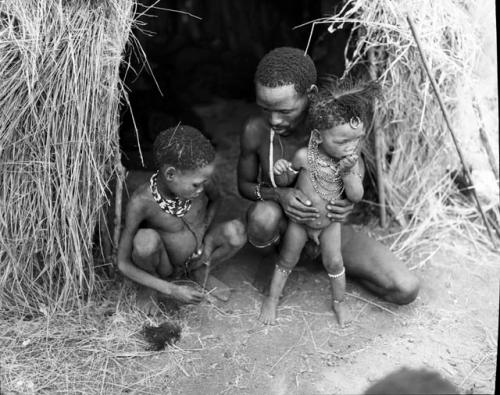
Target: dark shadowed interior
193, 62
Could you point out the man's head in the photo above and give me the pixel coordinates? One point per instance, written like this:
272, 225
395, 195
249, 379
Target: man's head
185, 159
284, 78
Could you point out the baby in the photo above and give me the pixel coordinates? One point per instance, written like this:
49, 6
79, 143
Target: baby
326, 169
169, 229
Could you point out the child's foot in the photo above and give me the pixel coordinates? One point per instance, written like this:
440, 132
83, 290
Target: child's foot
268, 311
341, 312
145, 301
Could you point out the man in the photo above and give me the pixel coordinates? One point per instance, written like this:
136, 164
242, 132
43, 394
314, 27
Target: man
284, 81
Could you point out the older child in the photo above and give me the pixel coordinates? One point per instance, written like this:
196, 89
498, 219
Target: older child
168, 229
326, 169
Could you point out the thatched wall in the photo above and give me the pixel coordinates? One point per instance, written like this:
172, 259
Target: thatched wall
59, 99
417, 150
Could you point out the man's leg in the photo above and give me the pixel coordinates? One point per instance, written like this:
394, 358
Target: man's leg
220, 243
266, 223
377, 267
148, 253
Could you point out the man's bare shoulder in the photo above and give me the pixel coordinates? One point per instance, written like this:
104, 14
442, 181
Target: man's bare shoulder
140, 202
254, 131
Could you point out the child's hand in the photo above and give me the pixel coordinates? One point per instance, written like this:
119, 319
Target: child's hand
281, 166
186, 294
347, 162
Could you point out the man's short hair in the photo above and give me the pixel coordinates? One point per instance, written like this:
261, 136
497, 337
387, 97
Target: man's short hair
183, 147
339, 101
284, 66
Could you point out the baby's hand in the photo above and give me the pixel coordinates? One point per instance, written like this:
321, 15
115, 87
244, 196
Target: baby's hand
347, 162
281, 166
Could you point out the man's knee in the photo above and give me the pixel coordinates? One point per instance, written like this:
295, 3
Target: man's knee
146, 243
264, 220
407, 290
235, 233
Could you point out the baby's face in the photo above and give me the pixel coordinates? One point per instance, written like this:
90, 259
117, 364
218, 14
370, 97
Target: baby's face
341, 140
189, 184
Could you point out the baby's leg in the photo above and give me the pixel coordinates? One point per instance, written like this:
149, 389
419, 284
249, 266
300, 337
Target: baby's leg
334, 265
149, 254
294, 240
220, 243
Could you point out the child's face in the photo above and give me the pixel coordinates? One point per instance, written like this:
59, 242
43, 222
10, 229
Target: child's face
188, 184
341, 140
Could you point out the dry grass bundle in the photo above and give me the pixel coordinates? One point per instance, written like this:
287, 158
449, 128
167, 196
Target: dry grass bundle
60, 95
418, 148
100, 350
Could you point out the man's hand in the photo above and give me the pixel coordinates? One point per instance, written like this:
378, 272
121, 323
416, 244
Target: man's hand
186, 294
339, 210
297, 205
281, 166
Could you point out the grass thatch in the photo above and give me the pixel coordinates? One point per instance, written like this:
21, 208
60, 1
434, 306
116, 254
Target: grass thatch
418, 150
60, 95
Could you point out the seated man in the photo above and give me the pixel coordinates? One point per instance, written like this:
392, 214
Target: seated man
284, 81
168, 228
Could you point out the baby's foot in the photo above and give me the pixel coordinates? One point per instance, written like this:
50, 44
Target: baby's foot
268, 311
341, 312
145, 301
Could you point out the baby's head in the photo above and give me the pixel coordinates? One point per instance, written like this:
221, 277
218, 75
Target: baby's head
185, 159
339, 114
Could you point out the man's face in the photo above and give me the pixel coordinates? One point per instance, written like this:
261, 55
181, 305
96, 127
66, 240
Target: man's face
282, 107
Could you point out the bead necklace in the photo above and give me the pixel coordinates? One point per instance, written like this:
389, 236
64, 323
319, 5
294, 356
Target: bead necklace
176, 207
324, 172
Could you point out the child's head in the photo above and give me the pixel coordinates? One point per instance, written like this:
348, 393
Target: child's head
339, 114
185, 159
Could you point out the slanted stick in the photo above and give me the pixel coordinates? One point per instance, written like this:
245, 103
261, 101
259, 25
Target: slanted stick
485, 140
448, 123
378, 147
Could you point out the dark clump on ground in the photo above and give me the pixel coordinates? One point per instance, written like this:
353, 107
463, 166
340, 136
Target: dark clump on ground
165, 334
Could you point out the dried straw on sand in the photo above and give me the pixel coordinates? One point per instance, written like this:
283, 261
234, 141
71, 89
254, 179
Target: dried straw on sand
60, 95
417, 148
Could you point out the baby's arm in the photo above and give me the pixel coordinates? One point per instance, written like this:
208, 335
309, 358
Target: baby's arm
286, 172
351, 177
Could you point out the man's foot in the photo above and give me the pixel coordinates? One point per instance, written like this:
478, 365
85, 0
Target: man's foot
342, 313
146, 301
211, 284
268, 311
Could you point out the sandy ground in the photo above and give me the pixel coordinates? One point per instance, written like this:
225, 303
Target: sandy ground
451, 327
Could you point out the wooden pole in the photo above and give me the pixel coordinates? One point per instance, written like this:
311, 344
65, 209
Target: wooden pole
448, 123
485, 140
120, 177
378, 148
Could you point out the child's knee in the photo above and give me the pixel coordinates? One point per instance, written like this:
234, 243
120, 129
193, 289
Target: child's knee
235, 233
334, 265
146, 243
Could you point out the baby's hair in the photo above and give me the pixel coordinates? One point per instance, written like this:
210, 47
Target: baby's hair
284, 66
183, 147
340, 100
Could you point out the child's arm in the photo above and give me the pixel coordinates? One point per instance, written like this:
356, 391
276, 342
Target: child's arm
286, 172
350, 168
136, 213
214, 198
